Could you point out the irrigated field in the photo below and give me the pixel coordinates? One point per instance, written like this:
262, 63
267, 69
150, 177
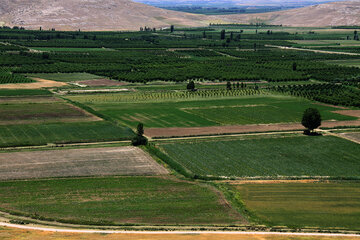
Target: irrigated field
78, 162
327, 205
41, 134
130, 109
121, 200
268, 156
66, 77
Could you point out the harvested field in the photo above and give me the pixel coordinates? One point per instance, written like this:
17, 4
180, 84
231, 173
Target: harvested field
355, 136
17, 112
351, 113
101, 82
78, 162
198, 131
30, 99
40, 83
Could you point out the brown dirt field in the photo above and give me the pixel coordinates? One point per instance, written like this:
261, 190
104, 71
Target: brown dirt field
32, 99
40, 83
355, 136
78, 162
352, 113
101, 82
195, 131
18, 234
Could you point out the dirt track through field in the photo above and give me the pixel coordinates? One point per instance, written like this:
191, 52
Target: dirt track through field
217, 130
313, 50
32, 232
78, 162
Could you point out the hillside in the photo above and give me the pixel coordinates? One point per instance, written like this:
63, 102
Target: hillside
91, 15
128, 15
328, 14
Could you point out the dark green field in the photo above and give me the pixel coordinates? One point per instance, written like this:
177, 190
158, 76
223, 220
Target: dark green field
202, 112
325, 205
40, 134
268, 156
123, 200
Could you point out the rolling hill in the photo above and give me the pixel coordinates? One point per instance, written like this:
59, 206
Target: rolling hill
327, 14
94, 15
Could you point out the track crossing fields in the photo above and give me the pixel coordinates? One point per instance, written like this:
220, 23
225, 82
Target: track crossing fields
78, 162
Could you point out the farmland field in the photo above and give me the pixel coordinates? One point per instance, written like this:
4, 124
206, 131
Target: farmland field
271, 156
41, 134
121, 200
78, 162
211, 111
326, 205
66, 77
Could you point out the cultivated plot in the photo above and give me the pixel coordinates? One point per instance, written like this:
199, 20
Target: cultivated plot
327, 205
268, 156
78, 162
119, 200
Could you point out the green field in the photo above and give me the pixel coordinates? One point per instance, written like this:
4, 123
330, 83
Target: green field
121, 200
64, 49
40, 134
268, 156
23, 92
66, 77
326, 205
206, 111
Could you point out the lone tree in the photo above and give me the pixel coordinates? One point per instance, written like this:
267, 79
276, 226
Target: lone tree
294, 66
228, 85
139, 139
191, 86
172, 28
222, 34
311, 119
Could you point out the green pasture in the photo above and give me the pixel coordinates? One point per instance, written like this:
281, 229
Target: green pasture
211, 111
65, 77
268, 156
324, 205
119, 200
42, 134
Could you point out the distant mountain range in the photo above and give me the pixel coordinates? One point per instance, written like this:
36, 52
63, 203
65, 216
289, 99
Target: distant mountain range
127, 15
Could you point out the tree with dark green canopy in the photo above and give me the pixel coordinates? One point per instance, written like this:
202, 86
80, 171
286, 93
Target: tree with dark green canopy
311, 119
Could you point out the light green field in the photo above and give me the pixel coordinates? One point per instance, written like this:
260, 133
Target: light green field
66, 77
339, 43
120, 200
326, 205
347, 63
268, 156
200, 112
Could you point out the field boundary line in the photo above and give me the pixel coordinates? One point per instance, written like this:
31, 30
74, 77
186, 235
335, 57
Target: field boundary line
339, 136
68, 230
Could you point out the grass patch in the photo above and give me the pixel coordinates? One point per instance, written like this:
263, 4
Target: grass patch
23, 92
324, 205
115, 201
281, 156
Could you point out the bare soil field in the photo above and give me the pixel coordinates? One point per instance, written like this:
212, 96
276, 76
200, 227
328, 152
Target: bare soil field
352, 113
78, 162
195, 131
17, 234
355, 136
40, 83
101, 83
